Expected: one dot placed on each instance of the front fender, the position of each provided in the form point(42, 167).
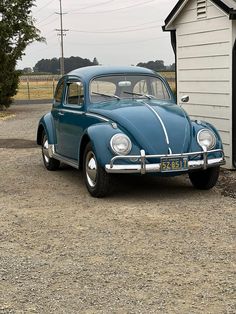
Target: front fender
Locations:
point(46, 124)
point(100, 136)
point(197, 126)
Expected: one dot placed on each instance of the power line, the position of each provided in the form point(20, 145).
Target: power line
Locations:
point(114, 10)
point(115, 31)
point(46, 5)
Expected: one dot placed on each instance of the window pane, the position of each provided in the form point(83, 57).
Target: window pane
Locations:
point(59, 92)
point(75, 94)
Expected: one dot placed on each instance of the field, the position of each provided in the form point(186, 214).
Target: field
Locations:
point(43, 87)
point(40, 88)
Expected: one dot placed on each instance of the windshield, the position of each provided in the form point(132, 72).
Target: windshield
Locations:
point(127, 87)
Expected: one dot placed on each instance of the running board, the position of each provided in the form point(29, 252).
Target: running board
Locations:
point(67, 161)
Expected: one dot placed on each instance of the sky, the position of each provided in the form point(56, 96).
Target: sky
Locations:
point(116, 32)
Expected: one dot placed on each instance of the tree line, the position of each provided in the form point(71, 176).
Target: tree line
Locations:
point(52, 66)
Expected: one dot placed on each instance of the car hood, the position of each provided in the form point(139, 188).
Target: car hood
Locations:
point(155, 127)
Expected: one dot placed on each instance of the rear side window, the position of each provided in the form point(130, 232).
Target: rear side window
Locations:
point(59, 91)
point(75, 93)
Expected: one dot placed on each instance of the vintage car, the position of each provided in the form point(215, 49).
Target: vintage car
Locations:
point(109, 120)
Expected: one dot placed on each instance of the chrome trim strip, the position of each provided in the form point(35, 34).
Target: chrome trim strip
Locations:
point(72, 111)
point(95, 115)
point(67, 161)
point(161, 121)
point(143, 167)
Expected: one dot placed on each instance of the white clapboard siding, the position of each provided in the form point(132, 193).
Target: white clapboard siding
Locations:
point(201, 99)
point(221, 124)
point(212, 62)
point(197, 26)
point(204, 50)
point(204, 66)
point(212, 87)
point(216, 113)
point(203, 74)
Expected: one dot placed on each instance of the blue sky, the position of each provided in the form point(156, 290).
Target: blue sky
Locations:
point(116, 32)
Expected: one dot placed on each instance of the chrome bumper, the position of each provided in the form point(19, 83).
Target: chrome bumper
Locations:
point(143, 167)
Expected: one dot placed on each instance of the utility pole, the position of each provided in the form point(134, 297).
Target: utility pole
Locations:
point(61, 34)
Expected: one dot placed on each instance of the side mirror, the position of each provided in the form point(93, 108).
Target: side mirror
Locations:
point(184, 98)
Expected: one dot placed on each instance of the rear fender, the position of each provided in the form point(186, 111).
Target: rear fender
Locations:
point(46, 124)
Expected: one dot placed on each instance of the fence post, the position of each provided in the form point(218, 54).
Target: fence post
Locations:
point(28, 88)
point(53, 87)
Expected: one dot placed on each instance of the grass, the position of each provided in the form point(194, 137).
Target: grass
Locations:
point(4, 115)
point(35, 90)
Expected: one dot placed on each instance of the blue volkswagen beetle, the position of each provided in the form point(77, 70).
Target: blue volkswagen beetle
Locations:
point(109, 120)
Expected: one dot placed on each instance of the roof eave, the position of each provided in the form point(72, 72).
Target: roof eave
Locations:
point(181, 3)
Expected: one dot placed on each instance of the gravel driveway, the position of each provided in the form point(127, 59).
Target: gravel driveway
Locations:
point(154, 246)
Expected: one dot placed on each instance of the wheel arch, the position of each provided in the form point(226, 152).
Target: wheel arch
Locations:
point(85, 140)
point(46, 125)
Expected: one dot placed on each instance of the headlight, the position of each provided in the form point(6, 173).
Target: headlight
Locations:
point(120, 144)
point(206, 138)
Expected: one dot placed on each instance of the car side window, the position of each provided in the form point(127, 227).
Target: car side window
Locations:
point(59, 92)
point(141, 87)
point(75, 93)
point(159, 89)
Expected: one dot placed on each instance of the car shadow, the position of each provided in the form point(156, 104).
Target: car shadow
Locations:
point(139, 187)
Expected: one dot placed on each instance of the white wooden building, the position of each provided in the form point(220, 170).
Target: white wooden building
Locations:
point(203, 36)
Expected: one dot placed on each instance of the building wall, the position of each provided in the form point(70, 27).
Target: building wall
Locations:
point(204, 63)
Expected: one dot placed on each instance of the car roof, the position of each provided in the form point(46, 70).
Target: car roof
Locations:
point(89, 72)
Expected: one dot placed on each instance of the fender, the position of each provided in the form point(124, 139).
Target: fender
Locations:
point(100, 136)
point(197, 126)
point(46, 124)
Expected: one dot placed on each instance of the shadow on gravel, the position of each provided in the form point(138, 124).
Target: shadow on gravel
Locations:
point(15, 143)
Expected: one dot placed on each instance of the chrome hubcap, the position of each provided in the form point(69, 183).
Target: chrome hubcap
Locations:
point(45, 150)
point(91, 169)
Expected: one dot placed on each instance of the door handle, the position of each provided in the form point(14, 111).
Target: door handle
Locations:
point(61, 113)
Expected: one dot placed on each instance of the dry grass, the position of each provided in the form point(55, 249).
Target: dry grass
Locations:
point(4, 115)
point(35, 90)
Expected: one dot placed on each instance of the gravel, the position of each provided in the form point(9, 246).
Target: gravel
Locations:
point(154, 246)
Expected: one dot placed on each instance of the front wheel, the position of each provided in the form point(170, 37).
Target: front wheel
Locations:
point(96, 179)
point(204, 179)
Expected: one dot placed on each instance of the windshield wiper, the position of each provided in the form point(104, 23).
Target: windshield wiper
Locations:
point(107, 95)
point(142, 95)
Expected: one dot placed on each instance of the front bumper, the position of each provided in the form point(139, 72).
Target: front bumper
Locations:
point(142, 166)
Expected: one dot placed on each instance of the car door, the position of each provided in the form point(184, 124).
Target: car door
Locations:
point(71, 118)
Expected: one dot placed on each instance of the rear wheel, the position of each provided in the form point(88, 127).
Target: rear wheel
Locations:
point(50, 163)
point(96, 179)
point(205, 179)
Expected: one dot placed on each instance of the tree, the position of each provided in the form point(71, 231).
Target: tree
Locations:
point(17, 31)
point(53, 65)
point(157, 65)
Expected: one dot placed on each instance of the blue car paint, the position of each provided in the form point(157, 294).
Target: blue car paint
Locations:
point(131, 116)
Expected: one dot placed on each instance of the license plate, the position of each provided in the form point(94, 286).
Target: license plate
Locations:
point(174, 164)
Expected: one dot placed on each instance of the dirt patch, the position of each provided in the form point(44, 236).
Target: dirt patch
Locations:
point(227, 183)
point(17, 143)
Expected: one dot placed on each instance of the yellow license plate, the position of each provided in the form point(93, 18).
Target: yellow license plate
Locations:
point(174, 164)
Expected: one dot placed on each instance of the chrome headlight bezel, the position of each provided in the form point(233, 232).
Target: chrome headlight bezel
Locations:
point(203, 141)
point(116, 140)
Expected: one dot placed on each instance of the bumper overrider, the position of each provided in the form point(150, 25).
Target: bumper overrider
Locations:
point(142, 165)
